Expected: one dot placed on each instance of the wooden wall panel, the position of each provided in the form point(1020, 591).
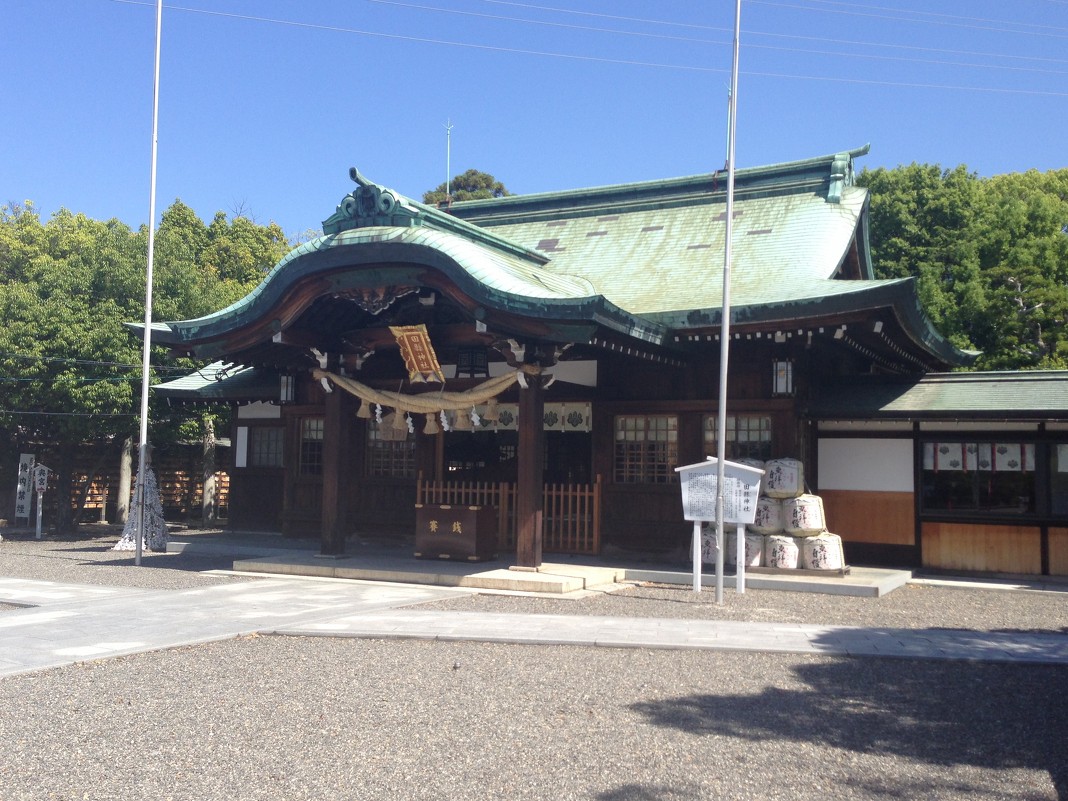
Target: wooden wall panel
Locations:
point(1058, 551)
point(256, 500)
point(644, 516)
point(884, 518)
point(988, 548)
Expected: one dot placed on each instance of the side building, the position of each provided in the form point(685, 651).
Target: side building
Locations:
point(578, 338)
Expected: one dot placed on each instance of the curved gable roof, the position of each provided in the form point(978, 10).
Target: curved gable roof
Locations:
point(641, 259)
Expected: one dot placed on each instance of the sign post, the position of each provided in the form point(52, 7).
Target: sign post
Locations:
point(40, 483)
point(700, 494)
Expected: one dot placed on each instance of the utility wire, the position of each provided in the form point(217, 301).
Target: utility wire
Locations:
point(692, 40)
point(939, 18)
point(604, 60)
point(849, 5)
point(91, 362)
point(16, 412)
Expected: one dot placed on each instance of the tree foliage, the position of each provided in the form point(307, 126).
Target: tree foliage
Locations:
point(990, 256)
point(471, 185)
point(69, 367)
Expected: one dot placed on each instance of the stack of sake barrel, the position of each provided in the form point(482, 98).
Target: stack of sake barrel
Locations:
point(790, 529)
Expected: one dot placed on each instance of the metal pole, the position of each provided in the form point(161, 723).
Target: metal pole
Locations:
point(146, 350)
point(725, 322)
point(448, 159)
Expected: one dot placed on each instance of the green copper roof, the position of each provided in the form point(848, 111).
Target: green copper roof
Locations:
point(1037, 394)
point(496, 278)
point(644, 259)
point(673, 255)
point(222, 381)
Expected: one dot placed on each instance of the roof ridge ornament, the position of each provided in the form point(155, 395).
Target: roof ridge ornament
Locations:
point(370, 204)
point(841, 176)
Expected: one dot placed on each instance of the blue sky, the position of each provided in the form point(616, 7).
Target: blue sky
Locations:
point(265, 104)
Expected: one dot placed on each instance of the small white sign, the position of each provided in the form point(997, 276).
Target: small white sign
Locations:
point(40, 478)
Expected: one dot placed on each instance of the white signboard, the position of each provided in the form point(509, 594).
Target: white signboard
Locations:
point(23, 491)
point(741, 488)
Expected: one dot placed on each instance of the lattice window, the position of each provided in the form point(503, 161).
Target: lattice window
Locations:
point(996, 477)
point(311, 447)
point(266, 446)
point(388, 455)
point(646, 449)
point(748, 436)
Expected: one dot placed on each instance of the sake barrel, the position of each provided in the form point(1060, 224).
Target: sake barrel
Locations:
point(769, 517)
point(823, 552)
point(754, 549)
point(708, 543)
point(803, 516)
point(783, 478)
point(708, 540)
point(781, 550)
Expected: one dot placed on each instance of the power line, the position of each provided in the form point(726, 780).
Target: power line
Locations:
point(90, 362)
point(692, 40)
point(424, 40)
point(773, 34)
point(605, 60)
point(16, 412)
point(699, 26)
point(939, 18)
point(81, 380)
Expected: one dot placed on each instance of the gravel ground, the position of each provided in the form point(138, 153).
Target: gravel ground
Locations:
point(89, 559)
point(914, 606)
point(314, 718)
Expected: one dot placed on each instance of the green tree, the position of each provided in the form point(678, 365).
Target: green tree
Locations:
point(1025, 255)
point(70, 374)
point(471, 185)
point(923, 223)
point(990, 256)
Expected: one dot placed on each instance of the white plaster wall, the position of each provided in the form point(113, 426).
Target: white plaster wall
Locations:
point(259, 411)
point(241, 447)
point(880, 465)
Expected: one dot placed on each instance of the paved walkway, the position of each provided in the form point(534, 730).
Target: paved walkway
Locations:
point(67, 623)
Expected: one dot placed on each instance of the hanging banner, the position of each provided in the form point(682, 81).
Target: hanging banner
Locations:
point(418, 353)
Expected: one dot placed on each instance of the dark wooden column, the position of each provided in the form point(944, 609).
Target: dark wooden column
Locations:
point(528, 492)
point(337, 433)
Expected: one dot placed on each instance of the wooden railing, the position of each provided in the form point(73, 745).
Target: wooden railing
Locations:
point(571, 518)
point(571, 513)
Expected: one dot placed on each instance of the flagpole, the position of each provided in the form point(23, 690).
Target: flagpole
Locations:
point(146, 349)
point(725, 318)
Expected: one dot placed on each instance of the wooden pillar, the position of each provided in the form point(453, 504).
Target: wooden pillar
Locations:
point(529, 484)
point(337, 433)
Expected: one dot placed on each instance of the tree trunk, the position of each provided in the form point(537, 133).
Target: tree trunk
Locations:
point(208, 503)
point(64, 518)
point(122, 502)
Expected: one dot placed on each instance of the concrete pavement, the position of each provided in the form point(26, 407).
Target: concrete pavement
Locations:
point(61, 624)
